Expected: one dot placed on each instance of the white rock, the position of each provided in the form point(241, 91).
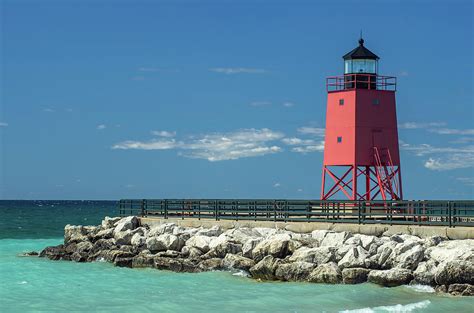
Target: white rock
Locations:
point(126, 223)
point(109, 222)
point(333, 239)
point(199, 242)
point(138, 240)
point(214, 231)
point(355, 257)
point(319, 255)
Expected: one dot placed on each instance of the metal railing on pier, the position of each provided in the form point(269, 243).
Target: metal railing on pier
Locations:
point(419, 212)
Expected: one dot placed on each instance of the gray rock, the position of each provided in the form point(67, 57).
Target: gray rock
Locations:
point(138, 240)
point(319, 235)
point(461, 290)
point(390, 278)
point(191, 252)
point(265, 269)
point(214, 231)
point(75, 233)
point(167, 228)
point(317, 256)
point(295, 271)
point(104, 234)
point(276, 246)
point(248, 247)
point(110, 222)
point(164, 242)
point(143, 260)
point(410, 258)
point(212, 264)
point(232, 261)
point(328, 273)
point(123, 237)
point(199, 242)
point(425, 273)
point(356, 275)
point(126, 223)
point(355, 257)
point(123, 261)
point(333, 239)
point(455, 272)
point(169, 254)
point(227, 248)
point(450, 250)
point(176, 265)
point(54, 252)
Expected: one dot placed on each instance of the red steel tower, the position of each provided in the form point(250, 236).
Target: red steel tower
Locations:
point(361, 156)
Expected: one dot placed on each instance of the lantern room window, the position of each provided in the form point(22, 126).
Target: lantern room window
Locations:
point(360, 66)
point(339, 139)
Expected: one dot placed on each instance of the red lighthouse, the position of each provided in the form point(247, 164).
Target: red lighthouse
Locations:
point(361, 155)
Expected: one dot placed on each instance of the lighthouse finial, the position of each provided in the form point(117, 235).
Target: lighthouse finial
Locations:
point(361, 40)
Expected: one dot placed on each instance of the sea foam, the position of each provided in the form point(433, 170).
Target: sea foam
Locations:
point(398, 308)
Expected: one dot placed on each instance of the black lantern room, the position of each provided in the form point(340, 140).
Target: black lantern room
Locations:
point(360, 67)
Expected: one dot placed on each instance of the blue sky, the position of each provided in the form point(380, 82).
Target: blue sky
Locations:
point(225, 99)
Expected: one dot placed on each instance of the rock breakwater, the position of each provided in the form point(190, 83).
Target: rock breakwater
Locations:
point(321, 256)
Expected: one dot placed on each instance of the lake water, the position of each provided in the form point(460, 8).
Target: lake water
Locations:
point(29, 284)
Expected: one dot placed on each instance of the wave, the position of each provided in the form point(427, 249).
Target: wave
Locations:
point(421, 288)
point(398, 308)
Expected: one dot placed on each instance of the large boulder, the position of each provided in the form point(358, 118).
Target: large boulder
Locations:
point(365, 241)
point(390, 278)
point(54, 252)
point(355, 257)
point(317, 256)
point(176, 264)
point(123, 237)
point(143, 260)
point(295, 271)
point(410, 258)
point(265, 269)
point(74, 233)
point(249, 245)
point(199, 242)
point(425, 273)
point(164, 242)
point(462, 250)
point(455, 272)
point(126, 223)
point(355, 275)
point(232, 261)
point(335, 239)
point(461, 290)
point(328, 273)
point(276, 246)
point(166, 228)
point(138, 240)
point(109, 222)
point(211, 264)
point(214, 231)
point(319, 235)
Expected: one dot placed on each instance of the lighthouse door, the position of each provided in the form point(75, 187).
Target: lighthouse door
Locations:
point(377, 139)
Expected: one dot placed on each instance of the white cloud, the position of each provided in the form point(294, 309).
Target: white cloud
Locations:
point(49, 110)
point(237, 70)
point(149, 69)
point(276, 185)
point(101, 127)
point(163, 133)
point(260, 103)
point(147, 145)
point(216, 146)
point(298, 141)
point(420, 125)
point(316, 131)
point(466, 180)
point(452, 131)
point(308, 149)
point(442, 158)
point(288, 104)
point(3, 124)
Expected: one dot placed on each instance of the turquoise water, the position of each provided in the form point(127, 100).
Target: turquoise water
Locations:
point(37, 285)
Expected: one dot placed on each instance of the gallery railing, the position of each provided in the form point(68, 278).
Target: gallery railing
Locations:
point(420, 212)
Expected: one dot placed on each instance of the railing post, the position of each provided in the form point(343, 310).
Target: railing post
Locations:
point(166, 209)
point(142, 207)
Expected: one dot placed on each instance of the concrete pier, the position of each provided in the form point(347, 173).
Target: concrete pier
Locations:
point(299, 227)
